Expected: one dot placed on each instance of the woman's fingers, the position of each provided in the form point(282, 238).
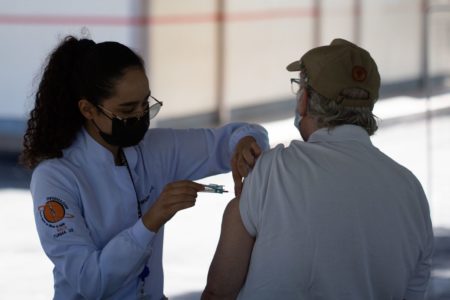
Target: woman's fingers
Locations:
point(175, 196)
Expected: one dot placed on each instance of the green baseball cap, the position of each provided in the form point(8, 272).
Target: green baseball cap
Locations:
point(338, 66)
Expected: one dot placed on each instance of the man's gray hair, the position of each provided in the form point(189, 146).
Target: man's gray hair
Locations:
point(330, 114)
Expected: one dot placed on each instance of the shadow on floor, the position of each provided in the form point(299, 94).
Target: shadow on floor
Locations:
point(439, 287)
point(12, 175)
point(187, 296)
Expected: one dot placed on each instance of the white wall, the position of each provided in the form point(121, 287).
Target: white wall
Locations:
point(24, 46)
point(261, 37)
point(183, 56)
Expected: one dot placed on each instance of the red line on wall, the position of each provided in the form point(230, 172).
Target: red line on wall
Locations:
point(6, 19)
point(67, 20)
point(271, 14)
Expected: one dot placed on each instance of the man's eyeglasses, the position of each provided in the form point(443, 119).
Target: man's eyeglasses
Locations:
point(153, 110)
point(295, 85)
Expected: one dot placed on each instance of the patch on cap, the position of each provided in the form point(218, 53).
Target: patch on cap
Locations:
point(359, 73)
point(341, 65)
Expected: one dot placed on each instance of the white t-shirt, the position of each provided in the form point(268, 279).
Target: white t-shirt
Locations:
point(335, 218)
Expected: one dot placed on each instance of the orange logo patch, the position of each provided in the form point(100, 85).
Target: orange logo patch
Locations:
point(54, 211)
point(359, 73)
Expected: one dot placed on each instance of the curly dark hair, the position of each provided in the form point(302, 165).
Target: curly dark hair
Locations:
point(76, 69)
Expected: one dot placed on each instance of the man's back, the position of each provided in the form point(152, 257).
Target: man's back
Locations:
point(335, 218)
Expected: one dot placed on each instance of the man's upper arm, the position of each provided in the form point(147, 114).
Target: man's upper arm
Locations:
point(230, 264)
point(229, 267)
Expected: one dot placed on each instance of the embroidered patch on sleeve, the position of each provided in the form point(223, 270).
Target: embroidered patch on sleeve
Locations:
point(53, 213)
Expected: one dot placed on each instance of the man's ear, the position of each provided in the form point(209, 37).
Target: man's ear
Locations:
point(303, 107)
point(87, 109)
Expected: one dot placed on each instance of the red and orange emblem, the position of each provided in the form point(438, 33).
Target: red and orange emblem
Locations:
point(359, 73)
point(53, 211)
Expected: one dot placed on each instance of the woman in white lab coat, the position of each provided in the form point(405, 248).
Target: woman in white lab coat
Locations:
point(104, 184)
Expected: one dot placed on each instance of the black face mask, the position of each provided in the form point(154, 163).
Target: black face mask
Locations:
point(126, 132)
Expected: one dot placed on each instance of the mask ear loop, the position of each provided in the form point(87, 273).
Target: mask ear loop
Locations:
point(99, 130)
point(101, 110)
point(96, 126)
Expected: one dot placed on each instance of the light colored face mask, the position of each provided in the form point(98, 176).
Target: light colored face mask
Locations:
point(297, 119)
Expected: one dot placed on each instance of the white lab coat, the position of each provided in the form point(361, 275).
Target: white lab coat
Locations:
point(86, 209)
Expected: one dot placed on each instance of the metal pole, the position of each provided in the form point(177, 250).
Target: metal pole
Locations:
point(140, 29)
point(145, 29)
point(223, 108)
point(426, 88)
point(141, 35)
point(317, 29)
point(357, 22)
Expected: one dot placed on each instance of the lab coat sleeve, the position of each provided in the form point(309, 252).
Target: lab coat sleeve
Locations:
point(93, 271)
point(197, 153)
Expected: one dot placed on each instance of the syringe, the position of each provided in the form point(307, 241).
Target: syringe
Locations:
point(214, 188)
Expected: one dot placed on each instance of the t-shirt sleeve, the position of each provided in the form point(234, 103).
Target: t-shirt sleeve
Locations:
point(252, 198)
point(418, 283)
point(247, 205)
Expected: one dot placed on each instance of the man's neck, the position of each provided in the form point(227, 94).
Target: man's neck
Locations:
point(307, 127)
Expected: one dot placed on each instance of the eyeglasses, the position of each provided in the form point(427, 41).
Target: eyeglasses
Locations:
point(153, 110)
point(295, 85)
